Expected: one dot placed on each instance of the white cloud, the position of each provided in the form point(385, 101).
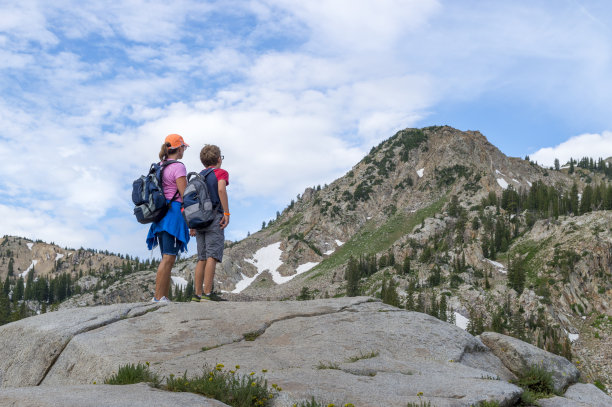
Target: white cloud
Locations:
point(295, 93)
point(585, 145)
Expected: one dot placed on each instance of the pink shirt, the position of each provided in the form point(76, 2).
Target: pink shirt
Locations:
point(171, 173)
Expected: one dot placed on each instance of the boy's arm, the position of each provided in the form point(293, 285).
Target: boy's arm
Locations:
point(224, 203)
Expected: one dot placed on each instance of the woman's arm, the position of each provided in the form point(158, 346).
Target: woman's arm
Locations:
point(181, 184)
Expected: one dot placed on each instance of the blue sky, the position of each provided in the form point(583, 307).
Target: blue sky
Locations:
point(294, 93)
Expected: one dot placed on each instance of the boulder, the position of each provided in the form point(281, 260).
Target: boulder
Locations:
point(355, 350)
point(561, 402)
point(518, 356)
point(589, 394)
point(135, 395)
point(31, 346)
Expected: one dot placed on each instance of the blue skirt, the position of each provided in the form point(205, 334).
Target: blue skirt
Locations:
point(173, 223)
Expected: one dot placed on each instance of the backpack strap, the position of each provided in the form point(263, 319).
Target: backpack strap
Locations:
point(163, 166)
point(205, 173)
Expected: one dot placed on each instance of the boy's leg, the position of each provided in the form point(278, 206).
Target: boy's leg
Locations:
point(209, 274)
point(199, 277)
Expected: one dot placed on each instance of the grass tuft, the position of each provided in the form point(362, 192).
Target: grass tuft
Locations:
point(251, 336)
point(328, 365)
point(132, 374)
point(362, 356)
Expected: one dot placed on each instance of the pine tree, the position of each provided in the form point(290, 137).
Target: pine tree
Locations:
point(586, 200)
point(352, 278)
point(435, 278)
point(410, 305)
point(6, 288)
point(442, 314)
point(29, 287)
point(10, 267)
point(434, 308)
point(574, 200)
point(420, 303)
point(406, 265)
point(391, 296)
point(557, 166)
point(19, 289)
point(452, 318)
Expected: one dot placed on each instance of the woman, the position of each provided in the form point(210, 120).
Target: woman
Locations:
point(171, 233)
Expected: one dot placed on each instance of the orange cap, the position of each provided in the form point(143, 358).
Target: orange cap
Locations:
point(175, 141)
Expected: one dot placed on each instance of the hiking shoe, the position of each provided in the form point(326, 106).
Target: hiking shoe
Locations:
point(164, 299)
point(196, 298)
point(213, 296)
point(154, 299)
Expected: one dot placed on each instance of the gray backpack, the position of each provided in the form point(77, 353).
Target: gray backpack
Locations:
point(197, 203)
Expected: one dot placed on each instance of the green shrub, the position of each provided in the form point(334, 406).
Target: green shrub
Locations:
point(600, 386)
point(131, 374)
point(537, 380)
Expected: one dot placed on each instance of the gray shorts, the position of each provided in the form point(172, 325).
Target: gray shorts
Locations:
point(211, 240)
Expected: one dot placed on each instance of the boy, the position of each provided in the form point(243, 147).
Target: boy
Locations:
point(212, 238)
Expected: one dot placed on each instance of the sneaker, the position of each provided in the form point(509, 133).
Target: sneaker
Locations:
point(213, 296)
point(196, 298)
point(164, 299)
point(154, 299)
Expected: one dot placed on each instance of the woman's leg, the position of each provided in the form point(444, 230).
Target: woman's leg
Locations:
point(162, 280)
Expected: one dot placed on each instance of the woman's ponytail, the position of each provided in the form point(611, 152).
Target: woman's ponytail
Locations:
point(163, 154)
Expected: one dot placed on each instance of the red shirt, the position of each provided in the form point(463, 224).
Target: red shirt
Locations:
point(222, 175)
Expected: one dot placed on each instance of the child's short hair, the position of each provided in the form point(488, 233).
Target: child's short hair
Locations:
point(210, 155)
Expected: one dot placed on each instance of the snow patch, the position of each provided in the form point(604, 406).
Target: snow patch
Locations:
point(244, 283)
point(502, 183)
point(30, 245)
point(517, 181)
point(266, 258)
point(498, 172)
point(528, 183)
point(179, 282)
point(421, 172)
point(500, 267)
point(305, 267)
point(25, 273)
point(327, 253)
point(58, 256)
point(461, 321)
point(339, 243)
point(269, 258)
point(573, 337)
